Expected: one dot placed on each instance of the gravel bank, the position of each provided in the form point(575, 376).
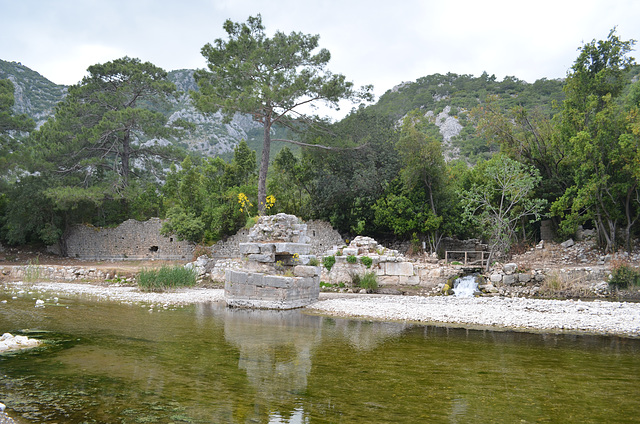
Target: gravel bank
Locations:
point(124, 294)
point(596, 317)
point(593, 317)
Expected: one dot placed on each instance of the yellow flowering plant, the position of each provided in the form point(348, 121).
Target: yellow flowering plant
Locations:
point(245, 204)
point(271, 200)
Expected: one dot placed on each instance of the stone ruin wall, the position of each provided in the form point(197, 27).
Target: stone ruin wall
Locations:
point(129, 241)
point(323, 237)
point(134, 240)
point(275, 270)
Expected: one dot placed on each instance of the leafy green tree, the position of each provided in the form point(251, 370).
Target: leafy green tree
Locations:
point(592, 127)
point(243, 166)
point(29, 216)
point(292, 180)
point(14, 223)
point(105, 132)
point(424, 169)
point(405, 212)
point(272, 79)
point(629, 159)
point(348, 181)
point(201, 197)
point(530, 137)
point(500, 201)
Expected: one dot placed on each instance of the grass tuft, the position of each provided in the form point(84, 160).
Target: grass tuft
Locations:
point(157, 280)
point(368, 281)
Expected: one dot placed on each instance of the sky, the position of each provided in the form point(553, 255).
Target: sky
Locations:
point(383, 43)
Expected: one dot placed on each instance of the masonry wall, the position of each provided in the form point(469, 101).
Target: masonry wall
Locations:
point(142, 240)
point(323, 237)
point(130, 240)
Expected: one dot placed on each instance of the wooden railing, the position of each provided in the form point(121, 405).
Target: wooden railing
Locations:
point(471, 257)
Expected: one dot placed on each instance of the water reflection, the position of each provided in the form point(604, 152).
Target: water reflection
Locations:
point(207, 363)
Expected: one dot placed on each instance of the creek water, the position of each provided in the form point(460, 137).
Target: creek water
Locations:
point(106, 362)
point(465, 286)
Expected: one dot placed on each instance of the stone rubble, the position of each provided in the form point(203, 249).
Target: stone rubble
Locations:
point(9, 342)
point(277, 270)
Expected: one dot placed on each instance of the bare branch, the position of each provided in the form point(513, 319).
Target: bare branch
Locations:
point(320, 146)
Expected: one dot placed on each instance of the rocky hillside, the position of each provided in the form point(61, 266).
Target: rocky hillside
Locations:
point(447, 100)
point(37, 97)
point(34, 95)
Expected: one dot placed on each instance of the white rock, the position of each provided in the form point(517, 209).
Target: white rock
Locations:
point(567, 244)
point(509, 268)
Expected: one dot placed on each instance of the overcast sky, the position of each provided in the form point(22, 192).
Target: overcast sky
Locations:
point(371, 42)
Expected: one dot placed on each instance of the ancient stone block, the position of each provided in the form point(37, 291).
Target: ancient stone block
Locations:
point(348, 251)
point(509, 280)
point(277, 281)
point(292, 248)
point(249, 248)
point(496, 278)
point(235, 276)
point(306, 271)
point(524, 278)
point(399, 268)
point(263, 258)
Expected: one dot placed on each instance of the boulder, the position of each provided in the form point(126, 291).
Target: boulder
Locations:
point(509, 280)
point(567, 244)
point(509, 268)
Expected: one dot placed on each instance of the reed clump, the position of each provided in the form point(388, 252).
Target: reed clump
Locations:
point(166, 277)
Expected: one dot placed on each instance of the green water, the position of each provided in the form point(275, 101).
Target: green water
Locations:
point(112, 363)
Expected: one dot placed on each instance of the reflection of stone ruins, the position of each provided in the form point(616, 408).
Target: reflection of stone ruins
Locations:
point(276, 273)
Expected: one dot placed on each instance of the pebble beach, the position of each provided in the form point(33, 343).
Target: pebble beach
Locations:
point(521, 314)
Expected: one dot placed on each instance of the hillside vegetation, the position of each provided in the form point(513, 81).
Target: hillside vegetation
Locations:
point(446, 155)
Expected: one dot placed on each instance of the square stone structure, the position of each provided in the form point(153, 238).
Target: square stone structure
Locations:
point(276, 274)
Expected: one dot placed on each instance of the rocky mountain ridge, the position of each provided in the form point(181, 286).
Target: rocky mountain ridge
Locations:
point(37, 97)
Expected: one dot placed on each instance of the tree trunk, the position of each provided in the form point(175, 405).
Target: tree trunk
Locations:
point(630, 220)
point(264, 167)
point(126, 154)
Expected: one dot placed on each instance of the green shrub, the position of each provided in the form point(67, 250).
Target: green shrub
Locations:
point(366, 261)
point(251, 221)
point(368, 281)
point(352, 259)
point(624, 275)
point(314, 262)
point(328, 262)
point(166, 277)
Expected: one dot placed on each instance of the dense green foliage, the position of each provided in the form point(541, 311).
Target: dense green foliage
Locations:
point(594, 129)
point(271, 79)
point(201, 199)
point(567, 150)
point(500, 200)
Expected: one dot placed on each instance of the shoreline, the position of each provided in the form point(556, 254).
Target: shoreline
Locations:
point(597, 317)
